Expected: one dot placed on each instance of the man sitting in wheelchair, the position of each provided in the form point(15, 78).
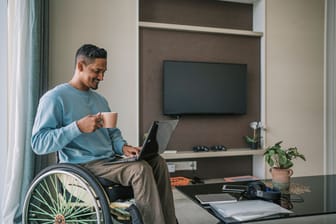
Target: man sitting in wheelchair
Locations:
point(68, 121)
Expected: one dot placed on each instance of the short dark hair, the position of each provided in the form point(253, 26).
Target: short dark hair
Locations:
point(89, 52)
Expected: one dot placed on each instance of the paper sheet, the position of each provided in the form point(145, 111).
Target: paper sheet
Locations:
point(248, 209)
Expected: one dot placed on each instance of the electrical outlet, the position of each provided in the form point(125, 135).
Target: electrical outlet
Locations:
point(171, 167)
point(185, 165)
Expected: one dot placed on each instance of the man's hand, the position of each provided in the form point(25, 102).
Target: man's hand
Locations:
point(130, 151)
point(90, 123)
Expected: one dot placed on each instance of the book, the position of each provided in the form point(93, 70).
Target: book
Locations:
point(215, 198)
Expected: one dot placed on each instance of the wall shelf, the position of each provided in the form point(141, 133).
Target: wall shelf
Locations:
point(204, 29)
point(230, 152)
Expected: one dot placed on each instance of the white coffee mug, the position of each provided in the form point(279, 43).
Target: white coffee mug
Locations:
point(109, 119)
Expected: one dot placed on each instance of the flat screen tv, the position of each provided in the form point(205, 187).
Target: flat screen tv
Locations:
point(204, 88)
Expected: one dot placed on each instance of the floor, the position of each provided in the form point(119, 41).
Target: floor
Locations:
point(188, 212)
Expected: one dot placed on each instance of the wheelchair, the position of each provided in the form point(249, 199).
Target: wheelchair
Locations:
point(70, 194)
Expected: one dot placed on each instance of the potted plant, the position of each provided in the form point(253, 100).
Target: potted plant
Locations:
point(280, 161)
point(254, 140)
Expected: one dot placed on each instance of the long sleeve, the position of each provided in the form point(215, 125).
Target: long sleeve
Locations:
point(48, 134)
point(55, 127)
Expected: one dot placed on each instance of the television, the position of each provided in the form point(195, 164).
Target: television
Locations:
point(204, 88)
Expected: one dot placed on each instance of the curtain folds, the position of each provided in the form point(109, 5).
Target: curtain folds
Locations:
point(27, 80)
point(39, 55)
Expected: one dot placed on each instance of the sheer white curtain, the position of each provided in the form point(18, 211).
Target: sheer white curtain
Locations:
point(17, 79)
point(25, 80)
point(3, 91)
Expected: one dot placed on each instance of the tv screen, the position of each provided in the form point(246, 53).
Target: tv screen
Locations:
point(203, 88)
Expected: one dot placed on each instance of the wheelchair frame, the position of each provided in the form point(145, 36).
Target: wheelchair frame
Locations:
point(67, 193)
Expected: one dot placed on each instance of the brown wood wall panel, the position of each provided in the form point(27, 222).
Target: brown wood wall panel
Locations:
point(198, 12)
point(159, 45)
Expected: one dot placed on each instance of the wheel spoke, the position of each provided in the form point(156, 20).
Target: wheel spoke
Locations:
point(65, 195)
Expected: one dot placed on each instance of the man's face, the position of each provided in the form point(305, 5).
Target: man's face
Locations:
point(93, 73)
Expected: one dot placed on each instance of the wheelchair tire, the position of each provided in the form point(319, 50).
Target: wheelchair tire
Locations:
point(66, 193)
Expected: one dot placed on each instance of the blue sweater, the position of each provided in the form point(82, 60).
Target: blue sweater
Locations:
point(55, 127)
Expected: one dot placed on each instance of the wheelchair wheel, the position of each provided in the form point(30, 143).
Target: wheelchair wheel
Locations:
point(66, 193)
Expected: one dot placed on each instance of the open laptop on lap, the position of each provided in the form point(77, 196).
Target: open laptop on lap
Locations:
point(155, 143)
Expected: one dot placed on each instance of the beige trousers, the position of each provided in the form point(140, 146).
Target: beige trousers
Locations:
point(151, 186)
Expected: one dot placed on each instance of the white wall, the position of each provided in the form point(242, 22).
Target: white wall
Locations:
point(295, 79)
point(330, 156)
point(112, 25)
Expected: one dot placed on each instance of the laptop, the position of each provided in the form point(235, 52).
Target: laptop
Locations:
point(155, 143)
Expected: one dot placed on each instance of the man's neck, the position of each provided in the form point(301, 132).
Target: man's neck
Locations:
point(74, 83)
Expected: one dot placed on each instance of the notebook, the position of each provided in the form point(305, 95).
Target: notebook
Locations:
point(215, 198)
point(155, 143)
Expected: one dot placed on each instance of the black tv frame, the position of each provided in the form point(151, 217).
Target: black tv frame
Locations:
point(204, 88)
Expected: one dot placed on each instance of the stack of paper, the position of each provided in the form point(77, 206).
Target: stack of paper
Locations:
point(248, 209)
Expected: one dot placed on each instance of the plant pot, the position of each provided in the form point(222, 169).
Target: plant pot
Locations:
point(281, 178)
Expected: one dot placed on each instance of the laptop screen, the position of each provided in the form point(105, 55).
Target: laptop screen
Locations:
point(164, 133)
point(158, 138)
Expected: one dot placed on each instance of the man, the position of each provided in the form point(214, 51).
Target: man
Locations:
point(68, 121)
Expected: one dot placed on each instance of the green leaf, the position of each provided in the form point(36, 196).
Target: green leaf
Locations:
point(276, 156)
point(248, 139)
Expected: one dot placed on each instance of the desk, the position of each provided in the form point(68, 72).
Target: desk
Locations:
point(315, 196)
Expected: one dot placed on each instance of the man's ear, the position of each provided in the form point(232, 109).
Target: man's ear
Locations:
point(80, 66)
